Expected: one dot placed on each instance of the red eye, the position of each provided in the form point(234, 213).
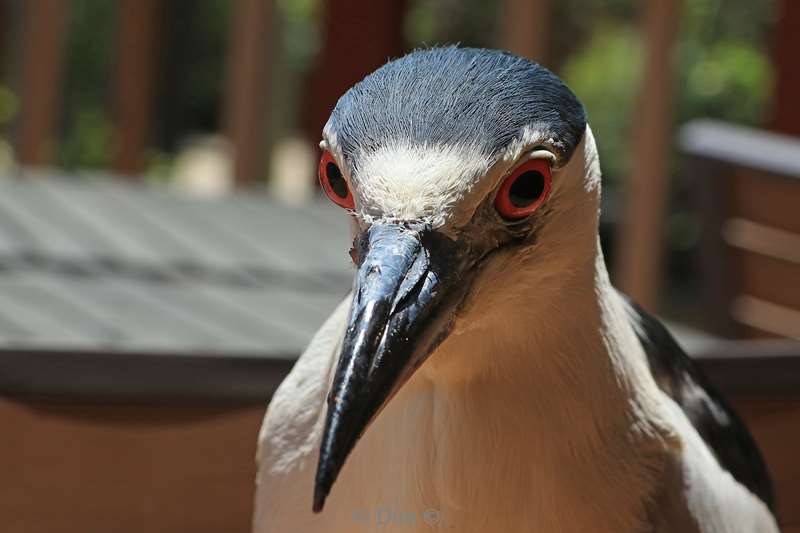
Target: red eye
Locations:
point(333, 182)
point(524, 190)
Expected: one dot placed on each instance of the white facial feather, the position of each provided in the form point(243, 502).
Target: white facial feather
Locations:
point(406, 182)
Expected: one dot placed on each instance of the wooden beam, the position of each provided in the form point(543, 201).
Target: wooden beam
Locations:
point(42, 47)
point(358, 36)
point(524, 28)
point(785, 109)
point(138, 43)
point(639, 263)
point(247, 87)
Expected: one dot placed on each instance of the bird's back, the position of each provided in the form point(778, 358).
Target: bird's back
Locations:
point(713, 418)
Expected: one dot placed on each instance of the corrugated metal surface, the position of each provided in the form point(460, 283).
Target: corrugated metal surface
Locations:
point(100, 265)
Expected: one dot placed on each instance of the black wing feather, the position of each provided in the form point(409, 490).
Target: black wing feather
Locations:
point(713, 418)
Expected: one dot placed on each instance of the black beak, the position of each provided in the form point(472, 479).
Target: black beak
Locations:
point(405, 274)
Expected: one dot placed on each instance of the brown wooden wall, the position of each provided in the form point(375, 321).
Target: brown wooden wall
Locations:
point(93, 468)
point(88, 467)
point(763, 236)
point(746, 207)
point(774, 420)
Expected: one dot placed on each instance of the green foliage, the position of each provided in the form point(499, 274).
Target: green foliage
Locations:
point(85, 138)
point(159, 165)
point(9, 105)
point(721, 67)
point(605, 77)
point(88, 143)
point(468, 22)
point(300, 35)
point(729, 80)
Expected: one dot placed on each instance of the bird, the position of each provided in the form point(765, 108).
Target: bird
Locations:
point(483, 374)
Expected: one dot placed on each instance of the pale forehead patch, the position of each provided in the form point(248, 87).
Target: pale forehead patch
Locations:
point(416, 182)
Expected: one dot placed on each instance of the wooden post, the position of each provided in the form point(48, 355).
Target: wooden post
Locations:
point(639, 263)
point(42, 36)
point(138, 43)
point(247, 84)
point(358, 36)
point(524, 28)
point(785, 109)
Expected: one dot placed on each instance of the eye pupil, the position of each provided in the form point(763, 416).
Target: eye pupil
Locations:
point(336, 180)
point(526, 189)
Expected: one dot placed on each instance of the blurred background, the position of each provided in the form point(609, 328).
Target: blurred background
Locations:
point(165, 252)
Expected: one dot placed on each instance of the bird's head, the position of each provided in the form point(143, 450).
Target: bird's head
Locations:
point(453, 162)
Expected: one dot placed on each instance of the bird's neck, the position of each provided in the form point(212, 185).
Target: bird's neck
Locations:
point(560, 342)
point(543, 402)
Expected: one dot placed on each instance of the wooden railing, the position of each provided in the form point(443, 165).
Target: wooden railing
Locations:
point(747, 185)
point(138, 47)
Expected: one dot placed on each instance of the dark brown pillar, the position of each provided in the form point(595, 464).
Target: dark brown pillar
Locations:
point(785, 116)
point(138, 53)
point(358, 37)
point(42, 46)
point(524, 26)
point(639, 263)
point(246, 91)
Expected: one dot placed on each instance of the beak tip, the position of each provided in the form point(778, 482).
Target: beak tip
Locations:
point(320, 494)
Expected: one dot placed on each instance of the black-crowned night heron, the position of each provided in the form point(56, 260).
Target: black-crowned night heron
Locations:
point(485, 376)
